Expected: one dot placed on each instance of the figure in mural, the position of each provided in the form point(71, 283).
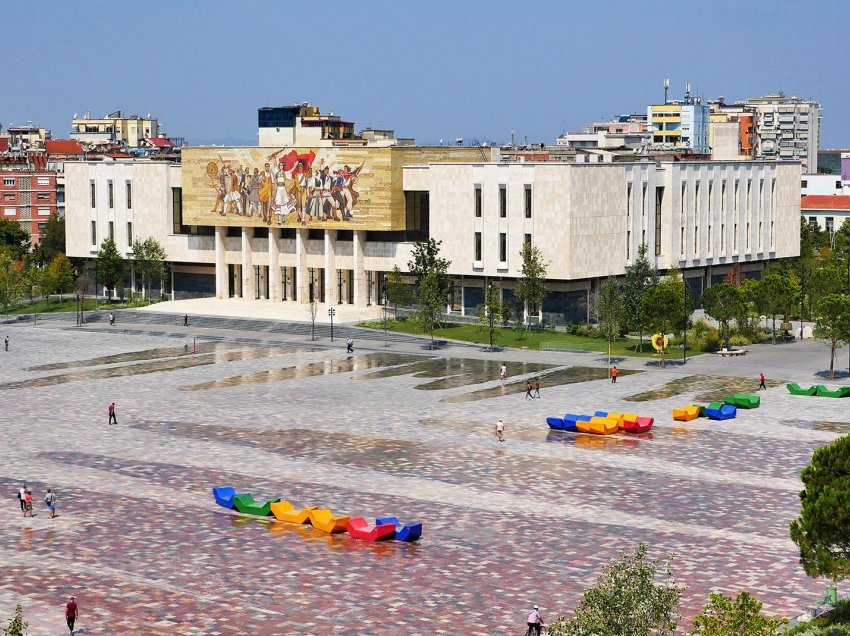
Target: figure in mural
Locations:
point(217, 184)
point(329, 205)
point(244, 178)
point(267, 194)
point(231, 191)
point(254, 192)
point(349, 194)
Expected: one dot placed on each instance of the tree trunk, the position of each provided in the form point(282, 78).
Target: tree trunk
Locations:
point(774, 329)
point(832, 362)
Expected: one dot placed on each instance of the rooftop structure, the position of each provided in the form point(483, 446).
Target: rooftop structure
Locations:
point(114, 129)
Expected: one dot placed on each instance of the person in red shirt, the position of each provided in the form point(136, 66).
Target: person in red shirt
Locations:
point(71, 613)
point(761, 382)
point(28, 504)
point(614, 373)
point(112, 417)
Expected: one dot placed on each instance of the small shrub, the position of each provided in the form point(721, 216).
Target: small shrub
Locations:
point(17, 626)
point(739, 340)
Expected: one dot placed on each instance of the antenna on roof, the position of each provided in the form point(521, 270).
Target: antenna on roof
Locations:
point(666, 86)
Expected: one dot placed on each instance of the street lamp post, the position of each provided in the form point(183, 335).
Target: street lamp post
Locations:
point(685, 328)
point(331, 313)
point(802, 295)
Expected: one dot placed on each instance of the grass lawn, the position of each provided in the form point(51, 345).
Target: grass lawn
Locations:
point(532, 339)
point(54, 306)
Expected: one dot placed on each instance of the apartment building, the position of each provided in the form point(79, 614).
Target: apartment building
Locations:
point(29, 197)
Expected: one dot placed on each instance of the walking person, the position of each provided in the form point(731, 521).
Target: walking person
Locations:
point(28, 503)
point(500, 431)
point(349, 345)
point(50, 501)
point(22, 497)
point(111, 319)
point(71, 613)
point(503, 372)
point(528, 395)
point(7, 343)
point(537, 387)
point(761, 383)
point(185, 320)
point(614, 374)
point(112, 417)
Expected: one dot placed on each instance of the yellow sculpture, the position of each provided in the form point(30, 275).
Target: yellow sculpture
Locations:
point(284, 511)
point(323, 519)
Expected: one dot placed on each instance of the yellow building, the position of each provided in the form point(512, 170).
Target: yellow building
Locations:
point(114, 129)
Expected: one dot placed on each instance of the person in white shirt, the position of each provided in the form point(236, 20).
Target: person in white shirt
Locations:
point(535, 623)
point(500, 430)
point(22, 493)
point(503, 372)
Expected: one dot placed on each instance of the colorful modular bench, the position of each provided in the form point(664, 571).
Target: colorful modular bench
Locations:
point(819, 390)
point(601, 423)
point(320, 518)
point(725, 410)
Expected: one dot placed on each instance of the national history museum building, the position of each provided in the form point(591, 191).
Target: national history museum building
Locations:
point(319, 212)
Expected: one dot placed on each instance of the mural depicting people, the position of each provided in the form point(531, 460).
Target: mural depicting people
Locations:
point(254, 192)
point(266, 194)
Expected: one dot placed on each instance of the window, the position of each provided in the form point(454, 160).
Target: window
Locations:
point(805, 183)
point(528, 200)
point(42, 228)
point(723, 196)
point(92, 194)
point(477, 201)
point(129, 187)
point(682, 202)
point(43, 181)
point(628, 244)
point(682, 242)
point(315, 235)
point(177, 226)
point(503, 201)
point(659, 199)
point(838, 185)
point(503, 247)
point(735, 236)
point(748, 236)
point(9, 212)
point(722, 237)
point(478, 247)
point(696, 240)
point(527, 239)
point(830, 225)
point(9, 182)
point(643, 202)
point(94, 233)
point(44, 212)
point(735, 201)
point(43, 196)
point(129, 234)
point(749, 191)
point(110, 194)
point(111, 231)
point(710, 193)
point(8, 197)
point(628, 201)
point(708, 248)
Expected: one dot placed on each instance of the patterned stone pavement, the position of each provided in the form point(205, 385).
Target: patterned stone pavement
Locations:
point(141, 544)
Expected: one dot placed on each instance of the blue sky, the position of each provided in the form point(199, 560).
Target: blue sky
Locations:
point(431, 70)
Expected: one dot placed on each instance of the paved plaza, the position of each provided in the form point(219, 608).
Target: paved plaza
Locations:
point(386, 431)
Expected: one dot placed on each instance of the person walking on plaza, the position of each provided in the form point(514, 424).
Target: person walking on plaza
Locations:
point(185, 320)
point(535, 622)
point(500, 430)
point(111, 319)
point(7, 343)
point(761, 383)
point(349, 345)
point(614, 373)
point(537, 387)
point(22, 497)
point(50, 500)
point(112, 417)
point(503, 372)
point(528, 395)
point(71, 613)
point(28, 503)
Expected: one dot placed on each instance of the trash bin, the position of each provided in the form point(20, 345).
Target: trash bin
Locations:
point(831, 595)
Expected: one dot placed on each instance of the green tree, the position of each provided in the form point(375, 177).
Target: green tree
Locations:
point(12, 281)
point(431, 301)
point(626, 600)
point(52, 242)
point(666, 304)
point(639, 277)
point(723, 303)
point(15, 237)
point(824, 281)
point(17, 626)
point(62, 274)
point(149, 258)
point(398, 291)
point(531, 287)
point(833, 325)
point(822, 531)
point(608, 307)
point(490, 313)
point(775, 295)
point(727, 616)
point(110, 265)
point(426, 261)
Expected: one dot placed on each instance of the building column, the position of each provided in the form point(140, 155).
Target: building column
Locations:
point(330, 267)
point(274, 265)
point(359, 274)
point(249, 291)
point(222, 288)
point(301, 282)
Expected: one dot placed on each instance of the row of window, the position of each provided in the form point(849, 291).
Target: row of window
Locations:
point(503, 246)
point(503, 201)
point(110, 194)
point(42, 181)
point(9, 197)
point(14, 211)
point(111, 233)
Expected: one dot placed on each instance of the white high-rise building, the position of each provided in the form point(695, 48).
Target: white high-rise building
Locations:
point(787, 128)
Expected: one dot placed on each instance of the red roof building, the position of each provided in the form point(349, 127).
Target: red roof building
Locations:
point(28, 197)
point(63, 147)
point(825, 202)
point(159, 142)
point(827, 211)
point(4, 144)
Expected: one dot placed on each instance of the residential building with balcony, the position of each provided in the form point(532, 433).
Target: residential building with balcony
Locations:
point(115, 129)
point(680, 125)
point(28, 196)
point(787, 128)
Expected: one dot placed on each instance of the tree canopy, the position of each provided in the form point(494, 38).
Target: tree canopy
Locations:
point(727, 616)
point(490, 312)
point(609, 310)
point(110, 265)
point(822, 531)
point(149, 258)
point(833, 325)
point(639, 277)
point(427, 260)
point(531, 287)
point(723, 303)
point(15, 238)
point(775, 296)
